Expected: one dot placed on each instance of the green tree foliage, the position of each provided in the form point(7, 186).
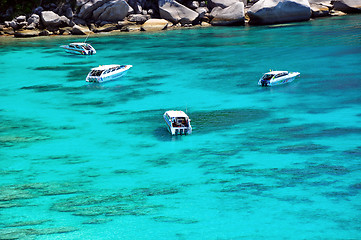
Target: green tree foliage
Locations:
point(23, 7)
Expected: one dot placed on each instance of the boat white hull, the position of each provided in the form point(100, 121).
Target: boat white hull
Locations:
point(108, 77)
point(177, 130)
point(78, 51)
point(279, 81)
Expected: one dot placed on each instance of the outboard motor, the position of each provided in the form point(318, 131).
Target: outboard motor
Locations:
point(264, 83)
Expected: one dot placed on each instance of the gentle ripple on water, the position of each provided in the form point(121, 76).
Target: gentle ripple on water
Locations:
point(80, 160)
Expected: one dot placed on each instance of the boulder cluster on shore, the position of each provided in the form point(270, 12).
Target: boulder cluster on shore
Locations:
point(82, 17)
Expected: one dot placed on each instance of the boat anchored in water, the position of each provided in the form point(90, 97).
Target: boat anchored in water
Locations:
point(273, 78)
point(177, 122)
point(105, 73)
point(79, 48)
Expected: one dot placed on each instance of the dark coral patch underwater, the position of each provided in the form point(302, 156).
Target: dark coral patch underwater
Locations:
point(52, 87)
point(32, 233)
point(307, 148)
point(206, 121)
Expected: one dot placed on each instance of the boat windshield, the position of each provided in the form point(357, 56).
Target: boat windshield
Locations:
point(87, 47)
point(267, 76)
point(281, 74)
point(96, 73)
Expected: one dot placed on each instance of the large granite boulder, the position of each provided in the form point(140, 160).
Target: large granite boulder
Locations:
point(112, 11)
point(20, 19)
point(52, 20)
point(175, 12)
point(80, 3)
point(229, 16)
point(155, 25)
point(33, 21)
point(80, 30)
point(136, 5)
point(69, 13)
point(347, 6)
point(319, 10)
point(34, 18)
point(12, 24)
point(138, 18)
point(279, 11)
point(224, 3)
point(87, 8)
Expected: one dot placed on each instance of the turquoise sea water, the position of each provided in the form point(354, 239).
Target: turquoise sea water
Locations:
point(95, 161)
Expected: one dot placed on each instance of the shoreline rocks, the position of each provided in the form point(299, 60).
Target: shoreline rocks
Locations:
point(228, 16)
point(83, 17)
point(281, 11)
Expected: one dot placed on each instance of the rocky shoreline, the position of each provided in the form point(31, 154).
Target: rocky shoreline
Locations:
point(83, 17)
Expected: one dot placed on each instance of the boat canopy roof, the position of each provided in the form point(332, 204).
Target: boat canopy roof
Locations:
point(80, 44)
point(105, 67)
point(172, 113)
point(276, 72)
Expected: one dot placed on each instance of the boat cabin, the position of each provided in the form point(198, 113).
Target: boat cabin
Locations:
point(273, 78)
point(96, 72)
point(107, 72)
point(275, 74)
point(79, 48)
point(178, 122)
point(177, 118)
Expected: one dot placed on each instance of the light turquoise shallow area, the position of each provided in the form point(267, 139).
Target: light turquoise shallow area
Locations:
point(88, 161)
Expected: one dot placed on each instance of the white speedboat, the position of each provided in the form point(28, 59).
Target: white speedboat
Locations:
point(177, 122)
point(105, 73)
point(79, 48)
point(273, 78)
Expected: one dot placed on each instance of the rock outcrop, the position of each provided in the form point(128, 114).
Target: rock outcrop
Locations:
point(112, 11)
point(155, 25)
point(138, 18)
point(93, 16)
point(87, 7)
point(106, 28)
point(320, 9)
point(176, 13)
point(80, 30)
point(26, 33)
point(229, 16)
point(347, 6)
point(33, 21)
point(52, 20)
point(224, 3)
point(279, 11)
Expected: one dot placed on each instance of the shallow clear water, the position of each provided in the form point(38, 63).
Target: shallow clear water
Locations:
point(88, 161)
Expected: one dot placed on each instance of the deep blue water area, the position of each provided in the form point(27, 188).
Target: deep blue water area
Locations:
point(95, 161)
